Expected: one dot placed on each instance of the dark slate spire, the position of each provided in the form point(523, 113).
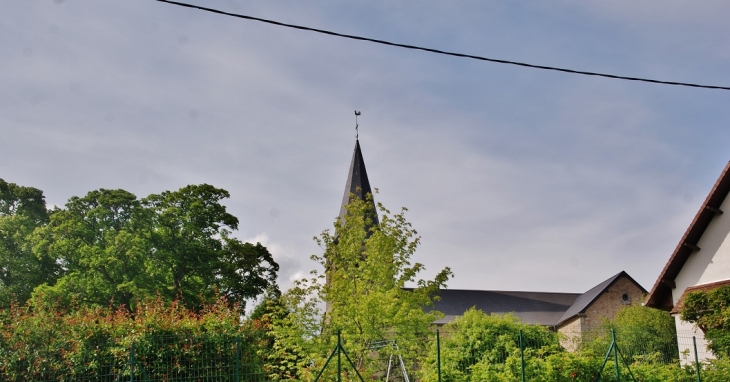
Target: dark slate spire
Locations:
point(357, 181)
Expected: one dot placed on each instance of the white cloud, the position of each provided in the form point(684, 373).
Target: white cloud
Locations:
point(294, 265)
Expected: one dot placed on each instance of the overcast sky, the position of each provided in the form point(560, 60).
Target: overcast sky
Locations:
point(516, 178)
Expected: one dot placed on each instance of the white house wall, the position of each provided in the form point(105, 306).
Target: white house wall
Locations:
point(710, 264)
point(685, 333)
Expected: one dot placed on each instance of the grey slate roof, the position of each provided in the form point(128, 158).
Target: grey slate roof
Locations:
point(357, 181)
point(542, 308)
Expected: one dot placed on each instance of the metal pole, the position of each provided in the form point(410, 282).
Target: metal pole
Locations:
point(390, 364)
point(347, 357)
point(403, 369)
point(131, 364)
point(339, 357)
point(438, 353)
point(615, 355)
point(697, 360)
point(522, 357)
point(238, 358)
point(335, 350)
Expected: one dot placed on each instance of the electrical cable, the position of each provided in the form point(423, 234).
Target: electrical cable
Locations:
point(454, 54)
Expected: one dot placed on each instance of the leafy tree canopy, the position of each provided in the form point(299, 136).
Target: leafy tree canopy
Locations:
point(109, 247)
point(22, 209)
point(20, 200)
point(99, 243)
point(190, 238)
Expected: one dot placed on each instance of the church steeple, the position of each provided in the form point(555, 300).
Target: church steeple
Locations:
point(357, 186)
point(357, 181)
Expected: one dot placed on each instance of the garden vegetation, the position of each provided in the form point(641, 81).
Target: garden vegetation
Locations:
point(111, 281)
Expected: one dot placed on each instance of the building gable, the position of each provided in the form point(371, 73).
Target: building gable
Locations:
point(706, 236)
point(605, 299)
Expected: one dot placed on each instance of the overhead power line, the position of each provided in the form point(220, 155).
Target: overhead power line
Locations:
point(454, 54)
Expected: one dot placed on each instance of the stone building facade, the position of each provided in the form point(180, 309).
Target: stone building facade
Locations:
point(600, 304)
point(572, 314)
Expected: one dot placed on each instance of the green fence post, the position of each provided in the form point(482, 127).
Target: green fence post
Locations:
point(697, 359)
point(339, 356)
point(238, 358)
point(522, 357)
point(438, 353)
point(132, 363)
point(615, 355)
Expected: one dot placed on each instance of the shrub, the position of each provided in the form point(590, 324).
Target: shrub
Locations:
point(169, 340)
point(478, 346)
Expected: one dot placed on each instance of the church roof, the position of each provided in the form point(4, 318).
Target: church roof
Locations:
point(357, 181)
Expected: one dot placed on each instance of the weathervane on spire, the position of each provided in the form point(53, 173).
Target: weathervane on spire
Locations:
point(357, 134)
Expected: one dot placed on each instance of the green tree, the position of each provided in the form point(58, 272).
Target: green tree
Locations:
point(645, 332)
point(367, 266)
point(113, 247)
point(99, 242)
point(194, 252)
point(710, 311)
point(22, 210)
point(25, 201)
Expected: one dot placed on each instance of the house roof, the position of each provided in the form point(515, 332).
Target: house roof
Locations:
point(698, 288)
point(661, 293)
point(357, 181)
point(582, 303)
point(542, 308)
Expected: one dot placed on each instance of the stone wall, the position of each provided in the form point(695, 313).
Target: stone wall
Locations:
point(571, 333)
point(623, 292)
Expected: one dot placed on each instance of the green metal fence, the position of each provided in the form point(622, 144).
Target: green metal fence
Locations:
point(626, 354)
point(149, 358)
